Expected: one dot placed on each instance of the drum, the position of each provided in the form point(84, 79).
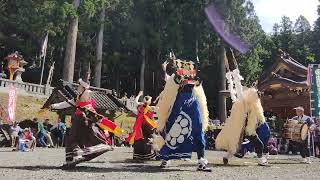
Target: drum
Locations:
point(295, 131)
point(304, 132)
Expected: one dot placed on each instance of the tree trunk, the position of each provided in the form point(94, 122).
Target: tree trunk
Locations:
point(98, 64)
point(143, 65)
point(222, 98)
point(70, 52)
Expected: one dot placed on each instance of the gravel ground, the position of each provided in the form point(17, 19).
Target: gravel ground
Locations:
point(117, 164)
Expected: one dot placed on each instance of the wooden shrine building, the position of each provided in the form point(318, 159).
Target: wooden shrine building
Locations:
point(285, 86)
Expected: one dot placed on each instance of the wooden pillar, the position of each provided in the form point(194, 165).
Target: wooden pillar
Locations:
point(222, 98)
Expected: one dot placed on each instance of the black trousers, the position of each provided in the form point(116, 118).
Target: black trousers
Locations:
point(317, 144)
point(304, 149)
point(200, 150)
point(258, 144)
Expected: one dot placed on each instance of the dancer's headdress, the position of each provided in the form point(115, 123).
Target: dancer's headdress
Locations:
point(184, 68)
point(84, 84)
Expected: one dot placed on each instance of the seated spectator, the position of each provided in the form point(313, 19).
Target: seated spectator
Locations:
point(59, 130)
point(32, 140)
point(272, 146)
point(26, 141)
point(15, 129)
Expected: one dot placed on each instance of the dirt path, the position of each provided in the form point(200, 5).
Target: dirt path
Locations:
point(116, 165)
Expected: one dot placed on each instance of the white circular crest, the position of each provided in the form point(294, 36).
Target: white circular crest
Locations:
point(180, 131)
point(184, 122)
point(175, 130)
point(180, 139)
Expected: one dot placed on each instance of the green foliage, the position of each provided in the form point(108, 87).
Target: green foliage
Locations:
point(315, 38)
point(250, 66)
point(297, 40)
point(68, 10)
point(302, 25)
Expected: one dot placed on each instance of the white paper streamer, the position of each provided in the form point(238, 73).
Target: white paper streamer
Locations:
point(237, 82)
point(231, 86)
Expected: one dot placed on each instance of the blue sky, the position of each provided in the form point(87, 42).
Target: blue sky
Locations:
point(271, 11)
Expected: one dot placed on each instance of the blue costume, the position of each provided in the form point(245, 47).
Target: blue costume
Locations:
point(183, 115)
point(263, 135)
point(183, 132)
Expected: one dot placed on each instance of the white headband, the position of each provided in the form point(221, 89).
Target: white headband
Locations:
point(299, 108)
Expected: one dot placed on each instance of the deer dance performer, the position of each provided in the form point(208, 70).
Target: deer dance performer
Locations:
point(246, 117)
point(182, 116)
point(87, 138)
point(142, 130)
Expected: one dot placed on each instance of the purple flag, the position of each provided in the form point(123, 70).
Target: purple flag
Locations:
point(222, 29)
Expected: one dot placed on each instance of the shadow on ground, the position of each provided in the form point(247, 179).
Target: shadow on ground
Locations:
point(132, 161)
point(285, 163)
point(31, 168)
point(90, 169)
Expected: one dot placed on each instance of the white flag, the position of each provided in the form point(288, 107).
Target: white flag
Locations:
point(44, 47)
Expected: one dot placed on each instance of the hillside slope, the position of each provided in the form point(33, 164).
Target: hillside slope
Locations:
point(27, 106)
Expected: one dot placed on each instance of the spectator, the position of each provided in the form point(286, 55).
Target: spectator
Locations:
point(114, 93)
point(125, 96)
point(317, 136)
point(47, 126)
point(59, 130)
point(40, 133)
point(124, 99)
point(26, 141)
point(131, 104)
point(21, 142)
point(15, 129)
point(47, 133)
point(32, 140)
